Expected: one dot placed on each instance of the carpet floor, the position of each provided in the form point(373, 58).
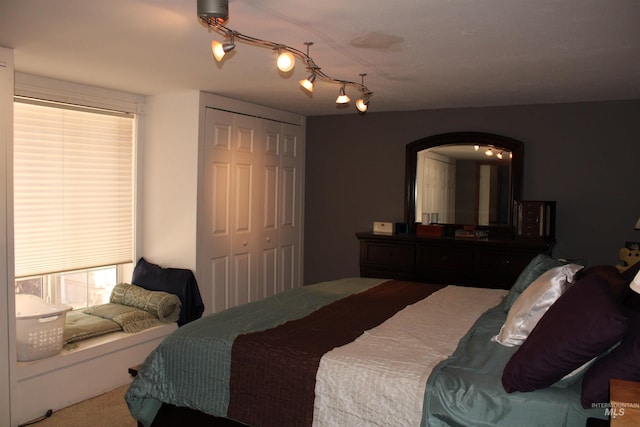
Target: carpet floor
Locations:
point(107, 410)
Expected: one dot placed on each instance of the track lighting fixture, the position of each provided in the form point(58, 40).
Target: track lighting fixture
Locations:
point(489, 152)
point(214, 13)
point(499, 155)
point(362, 104)
point(286, 61)
point(342, 97)
point(308, 82)
point(220, 49)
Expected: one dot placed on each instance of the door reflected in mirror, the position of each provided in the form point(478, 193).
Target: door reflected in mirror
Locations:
point(463, 184)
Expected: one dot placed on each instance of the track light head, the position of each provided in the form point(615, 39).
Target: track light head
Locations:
point(308, 82)
point(286, 61)
point(342, 98)
point(220, 49)
point(362, 104)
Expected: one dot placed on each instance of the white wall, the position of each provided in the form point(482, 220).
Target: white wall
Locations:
point(6, 232)
point(170, 180)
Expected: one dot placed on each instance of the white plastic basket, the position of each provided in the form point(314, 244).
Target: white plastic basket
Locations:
point(39, 327)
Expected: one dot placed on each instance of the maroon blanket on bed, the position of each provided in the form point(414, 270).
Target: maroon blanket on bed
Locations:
point(273, 372)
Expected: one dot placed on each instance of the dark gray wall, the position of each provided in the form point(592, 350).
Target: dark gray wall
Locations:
point(585, 156)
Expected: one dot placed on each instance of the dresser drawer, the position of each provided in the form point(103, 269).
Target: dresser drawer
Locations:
point(490, 263)
point(501, 263)
point(389, 255)
point(532, 211)
point(531, 229)
point(430, 258)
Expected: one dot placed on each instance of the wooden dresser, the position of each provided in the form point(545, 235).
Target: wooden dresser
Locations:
point(489, 263)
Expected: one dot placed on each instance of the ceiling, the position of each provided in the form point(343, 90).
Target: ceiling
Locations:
point(417, 54)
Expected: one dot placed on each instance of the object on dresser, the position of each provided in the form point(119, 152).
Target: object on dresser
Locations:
point(401, 228)
point(431, 230)
point(382, 227)
point(471, 234)
point(534, 219)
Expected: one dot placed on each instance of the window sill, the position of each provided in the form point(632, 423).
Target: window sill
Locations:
point(91, 349)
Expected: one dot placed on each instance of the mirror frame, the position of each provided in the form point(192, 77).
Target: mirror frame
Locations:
point(457, 138)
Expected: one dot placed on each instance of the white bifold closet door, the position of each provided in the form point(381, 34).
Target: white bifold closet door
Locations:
point(252, 207)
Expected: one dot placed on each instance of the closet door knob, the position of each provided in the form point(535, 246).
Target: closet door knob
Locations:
point(245, 243)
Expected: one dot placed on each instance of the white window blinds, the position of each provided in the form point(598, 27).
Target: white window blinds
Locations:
point(73, 188)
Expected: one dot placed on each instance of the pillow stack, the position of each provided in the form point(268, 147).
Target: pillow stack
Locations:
point(570, 321)
point(533, 302)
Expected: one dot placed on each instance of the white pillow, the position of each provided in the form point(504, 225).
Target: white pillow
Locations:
point(534, 301)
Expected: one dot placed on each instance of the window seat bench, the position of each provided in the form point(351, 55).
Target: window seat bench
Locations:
point(92, 367)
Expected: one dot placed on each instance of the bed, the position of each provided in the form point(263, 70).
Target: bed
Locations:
point(362, 351)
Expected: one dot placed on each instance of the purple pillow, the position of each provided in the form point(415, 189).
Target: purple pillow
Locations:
point(582, 324)
point(622, 363)
point(619, 285)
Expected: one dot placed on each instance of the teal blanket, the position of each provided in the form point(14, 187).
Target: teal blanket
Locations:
point(191, 367)
point(466, 389)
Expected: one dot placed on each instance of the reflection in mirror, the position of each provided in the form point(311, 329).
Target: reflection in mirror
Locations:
point(463, 184)
point(463, 178)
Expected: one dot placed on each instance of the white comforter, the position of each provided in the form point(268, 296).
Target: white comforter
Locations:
point(380, 379)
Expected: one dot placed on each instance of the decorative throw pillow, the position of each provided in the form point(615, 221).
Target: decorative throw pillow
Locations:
point(533, 302)
point(163, 305)
point(582, 324)
point(623, 363)
point(619, 285)
point(177, 281)
point(538, 265)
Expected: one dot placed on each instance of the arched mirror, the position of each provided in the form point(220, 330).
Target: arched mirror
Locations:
point(463, 178)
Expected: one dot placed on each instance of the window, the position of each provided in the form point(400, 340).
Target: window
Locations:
point(73, 201)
